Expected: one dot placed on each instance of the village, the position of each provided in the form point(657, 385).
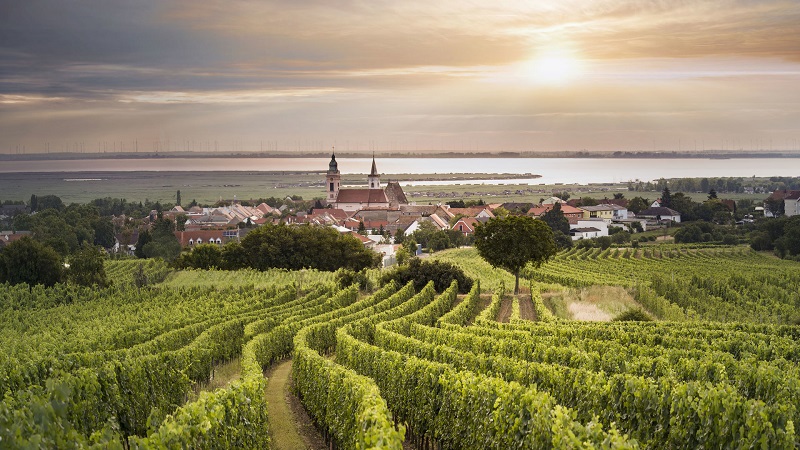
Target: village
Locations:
point(378, 213)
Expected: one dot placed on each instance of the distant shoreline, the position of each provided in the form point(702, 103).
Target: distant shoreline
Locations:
point(344, 154)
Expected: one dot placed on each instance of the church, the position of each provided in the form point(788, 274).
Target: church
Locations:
point(373, 197)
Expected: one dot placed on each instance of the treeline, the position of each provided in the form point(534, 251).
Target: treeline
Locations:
point(285, 247)
point(721, 185)
point(31, 262)
point(66, 228)
point(781, 235)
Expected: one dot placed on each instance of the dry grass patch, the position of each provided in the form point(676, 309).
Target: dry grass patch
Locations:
point(594, 303)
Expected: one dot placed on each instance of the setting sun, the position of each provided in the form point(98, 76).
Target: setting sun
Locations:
point(554, 65)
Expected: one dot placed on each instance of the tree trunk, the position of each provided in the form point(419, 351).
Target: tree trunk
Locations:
point(516, 283)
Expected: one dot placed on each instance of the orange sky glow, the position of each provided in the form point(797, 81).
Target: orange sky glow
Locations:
point(400, 76)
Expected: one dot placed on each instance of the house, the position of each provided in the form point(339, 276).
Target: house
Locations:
point(369, 243)
point(791, 204)
point(584, 233)
point(605, 211)
point(265, 209)
point(439, 224)
point(572, 213)
point(588, 229)
point(389, 252)
point(125, 242)
point(660, 214)
point(627, 224)
point(552, 201)
point(191, 238)
point(474, 211)
point(7, 237)
point(466, 225)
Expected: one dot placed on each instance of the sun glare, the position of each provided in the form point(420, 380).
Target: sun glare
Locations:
point(553, 66)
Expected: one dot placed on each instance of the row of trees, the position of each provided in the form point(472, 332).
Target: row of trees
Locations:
point(726, 185)
point(286, 247)
point(29, 261)
point(781, 235)
point(67, 228)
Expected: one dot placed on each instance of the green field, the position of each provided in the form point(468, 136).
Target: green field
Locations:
point(176, 359)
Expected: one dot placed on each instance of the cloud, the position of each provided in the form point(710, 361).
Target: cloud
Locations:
point(413, 68)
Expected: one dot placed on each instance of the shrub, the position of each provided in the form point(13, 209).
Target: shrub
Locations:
point(347, 277)
point(421, 272)
point(633, 315)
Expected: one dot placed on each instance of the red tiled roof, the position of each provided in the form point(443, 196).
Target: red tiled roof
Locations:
point(361, 196)
point(782, 194)
point(8, 238)
point(338, 214)
point(469, 212)
point(567, 210)
point(469, 222)
point(204, 235)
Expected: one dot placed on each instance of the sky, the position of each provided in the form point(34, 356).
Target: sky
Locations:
point(409, 76)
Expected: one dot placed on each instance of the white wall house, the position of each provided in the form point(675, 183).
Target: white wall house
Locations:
point(791, 204)
point(588, 229)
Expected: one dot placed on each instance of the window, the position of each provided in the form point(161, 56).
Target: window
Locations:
point(191, 241)
point(199, 241)
point(219, 241)
point(331, 189)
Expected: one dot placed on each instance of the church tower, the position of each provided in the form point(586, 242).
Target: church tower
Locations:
point(374, 177)
point(333, 179)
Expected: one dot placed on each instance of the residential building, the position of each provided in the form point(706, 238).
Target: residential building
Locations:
point(191, 238)
point(791, 204)
point(588, 229)
point(572, 213)
point(660, 214)
point(605, 211)
point(466, 225)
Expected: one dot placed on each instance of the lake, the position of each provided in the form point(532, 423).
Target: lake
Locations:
point(552, 170)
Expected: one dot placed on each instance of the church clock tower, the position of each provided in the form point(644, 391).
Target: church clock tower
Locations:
point(333, 179)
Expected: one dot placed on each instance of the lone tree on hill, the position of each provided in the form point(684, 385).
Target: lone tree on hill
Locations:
point(512, 242)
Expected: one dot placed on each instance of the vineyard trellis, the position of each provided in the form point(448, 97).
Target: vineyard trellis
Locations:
point(113, 367)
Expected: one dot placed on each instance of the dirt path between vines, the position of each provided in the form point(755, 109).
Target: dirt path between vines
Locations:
point(505, 309)
point(526, 310)
point(289, 424)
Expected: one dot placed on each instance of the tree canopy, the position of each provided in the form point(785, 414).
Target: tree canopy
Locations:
point(442, 273)
point(86, 267)
point(31, 262)
point(513, 242)
point(555, 219)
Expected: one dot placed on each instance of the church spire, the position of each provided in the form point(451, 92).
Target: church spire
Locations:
point(374, 177)
point(374, 172)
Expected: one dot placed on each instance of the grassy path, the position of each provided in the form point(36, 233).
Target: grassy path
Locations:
point(282, 423)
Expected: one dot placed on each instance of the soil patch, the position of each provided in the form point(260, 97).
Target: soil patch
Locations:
point(526, 310)
point(505, 310)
